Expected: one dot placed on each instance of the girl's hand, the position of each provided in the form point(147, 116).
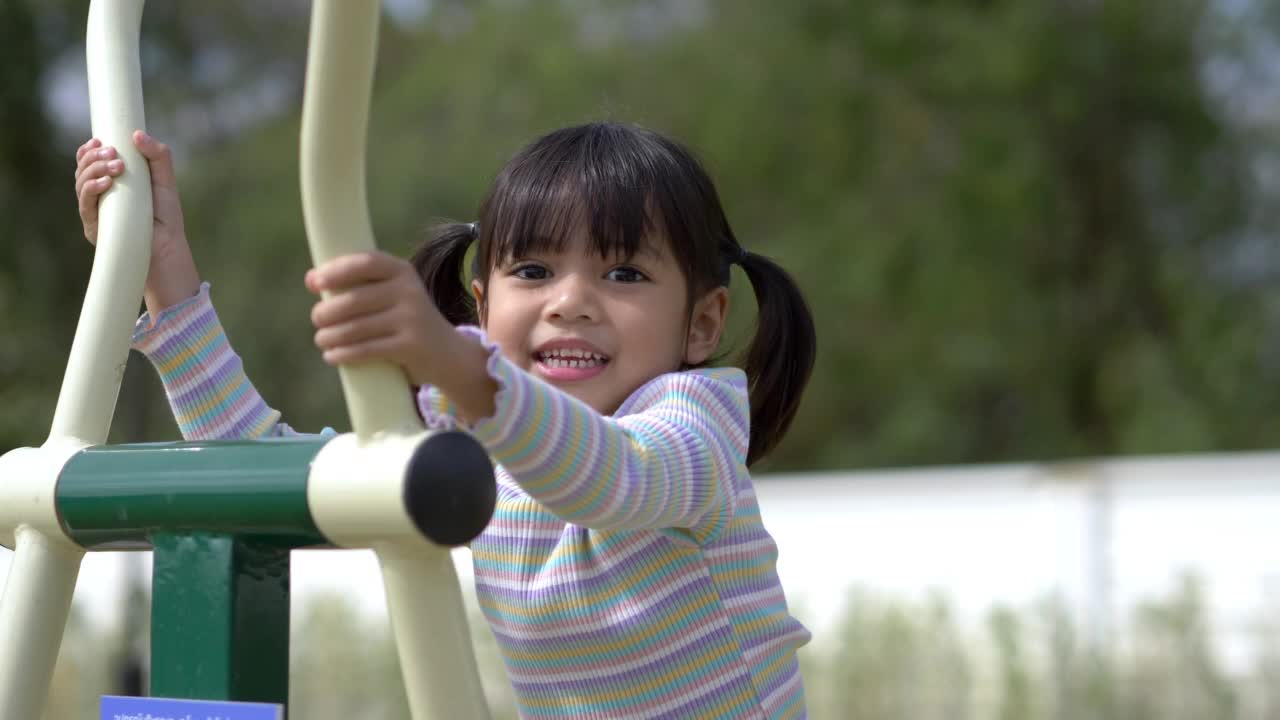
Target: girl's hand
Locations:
point(96, 166)
point(172, 276)
point(378, 309)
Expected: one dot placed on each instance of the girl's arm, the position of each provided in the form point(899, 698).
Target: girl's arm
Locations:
point(668, 460)
point(204, 379)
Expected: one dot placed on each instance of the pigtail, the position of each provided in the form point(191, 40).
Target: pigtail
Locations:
point(439, 261)
point(780, 359)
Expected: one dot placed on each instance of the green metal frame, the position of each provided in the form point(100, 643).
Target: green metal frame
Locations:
point(221, 518)
point(119, 494)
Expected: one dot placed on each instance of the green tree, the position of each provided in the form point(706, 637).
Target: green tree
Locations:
point(1000, 211)
point(1019, 225)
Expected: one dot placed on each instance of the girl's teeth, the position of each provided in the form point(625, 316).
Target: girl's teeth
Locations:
point(556, 362)
point(571, 358)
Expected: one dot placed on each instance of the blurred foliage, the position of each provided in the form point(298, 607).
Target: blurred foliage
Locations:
point(332, 647)
point(886, 658)
point(1027, 230)
point(1029, 665)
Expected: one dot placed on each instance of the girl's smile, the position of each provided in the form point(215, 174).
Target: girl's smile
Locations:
point(568, 360)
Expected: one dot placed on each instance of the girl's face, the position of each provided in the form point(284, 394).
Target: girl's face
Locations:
point(598, 328)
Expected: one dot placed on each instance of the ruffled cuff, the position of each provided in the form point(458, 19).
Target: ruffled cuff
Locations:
point(154, 338)
point(438, 412)
point(510, 402)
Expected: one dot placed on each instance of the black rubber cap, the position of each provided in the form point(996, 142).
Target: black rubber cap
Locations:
point(449, 489)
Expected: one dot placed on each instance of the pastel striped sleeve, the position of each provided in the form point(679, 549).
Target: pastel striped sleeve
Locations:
point(203, 377)
point(667, 459)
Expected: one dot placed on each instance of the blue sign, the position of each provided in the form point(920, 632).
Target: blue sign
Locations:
point(145, 708)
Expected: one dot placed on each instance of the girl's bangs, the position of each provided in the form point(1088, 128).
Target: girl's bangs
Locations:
point(543, 200)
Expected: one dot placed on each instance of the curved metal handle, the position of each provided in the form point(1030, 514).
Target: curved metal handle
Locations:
point(100, 349)
point(427, 614)
point(335, 114)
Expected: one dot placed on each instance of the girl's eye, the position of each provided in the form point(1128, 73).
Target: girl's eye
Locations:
point(530, 271)
point(626, 274)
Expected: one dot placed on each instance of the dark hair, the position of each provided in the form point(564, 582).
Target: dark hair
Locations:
point(637, 181)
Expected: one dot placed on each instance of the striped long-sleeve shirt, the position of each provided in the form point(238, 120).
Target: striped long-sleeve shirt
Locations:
point(626, 571)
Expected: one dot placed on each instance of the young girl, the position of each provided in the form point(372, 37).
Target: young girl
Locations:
point(626, 571)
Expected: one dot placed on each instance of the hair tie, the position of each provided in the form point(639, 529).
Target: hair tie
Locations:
point(740, 256)
point(474, 228)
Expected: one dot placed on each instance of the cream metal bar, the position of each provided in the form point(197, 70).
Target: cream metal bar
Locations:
point(348, 500)
point(335, 114)
point(42, 577)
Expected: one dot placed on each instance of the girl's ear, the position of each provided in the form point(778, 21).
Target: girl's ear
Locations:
point(706, 324)
point(477, 291)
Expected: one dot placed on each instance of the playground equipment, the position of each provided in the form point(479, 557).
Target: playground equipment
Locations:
point(222, 517)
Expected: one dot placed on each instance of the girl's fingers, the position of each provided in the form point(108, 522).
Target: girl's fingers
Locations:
point(91, 189)
point(98, 170)
point(92, 156)
point(88, 197)
point(369, 299)
point(356, 332)
point(354, 269)
point(377, 349)
point(158, 157)
point(80, 151)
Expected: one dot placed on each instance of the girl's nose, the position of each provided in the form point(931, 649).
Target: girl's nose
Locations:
point(573, 299)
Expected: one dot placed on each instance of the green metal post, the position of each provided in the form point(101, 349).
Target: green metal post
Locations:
point(220, 618)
